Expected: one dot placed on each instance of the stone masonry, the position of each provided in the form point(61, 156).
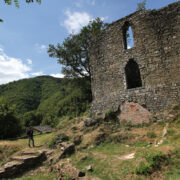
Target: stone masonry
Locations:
point(156, 55)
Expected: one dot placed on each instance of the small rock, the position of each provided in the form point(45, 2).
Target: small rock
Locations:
point(165, 130)
point(89, 168)
point(90, 122)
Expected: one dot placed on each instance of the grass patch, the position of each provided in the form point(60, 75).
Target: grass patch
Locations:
point(6, 152)
point(40, 176)
point(118, 138)
point(140, 144)
point(151, 134)
point(154, 161)
point(174, 166)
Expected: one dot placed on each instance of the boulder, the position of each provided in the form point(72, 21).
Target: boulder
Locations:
point(21, 163)
point(66, 149)
point(134, 113)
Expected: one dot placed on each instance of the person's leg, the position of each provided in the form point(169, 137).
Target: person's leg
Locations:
point(32, 141)
point(29, 141)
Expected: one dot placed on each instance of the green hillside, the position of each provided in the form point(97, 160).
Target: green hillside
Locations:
point(46, 99)
point(28, 94)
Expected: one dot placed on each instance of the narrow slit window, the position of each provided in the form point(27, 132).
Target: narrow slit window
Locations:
point(133, 77)
point(130, 39)
point(128, 36)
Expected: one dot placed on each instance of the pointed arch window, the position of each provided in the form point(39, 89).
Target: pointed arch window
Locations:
point(133, 77)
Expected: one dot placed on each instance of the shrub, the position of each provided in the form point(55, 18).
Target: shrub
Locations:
point(156, 159)
point(58, 139)
point(154, 162)
point(143, 168)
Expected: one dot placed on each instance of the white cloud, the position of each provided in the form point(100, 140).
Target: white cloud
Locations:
point(104, 18)
point(58, 75)
point(29, 61)
point(76, 20)
point(40, 73)
point(40, 47)
point(12, 69)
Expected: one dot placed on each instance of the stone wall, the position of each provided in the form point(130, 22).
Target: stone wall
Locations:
point(156, 51)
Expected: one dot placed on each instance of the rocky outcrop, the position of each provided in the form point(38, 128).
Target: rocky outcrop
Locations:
point(66, 149)
point(24, 161)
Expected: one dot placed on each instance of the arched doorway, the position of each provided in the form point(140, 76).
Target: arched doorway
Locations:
point(133, 77)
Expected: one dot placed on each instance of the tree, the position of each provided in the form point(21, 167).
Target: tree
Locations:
point(16, 2)
point(142, 5)
point(10, 126)
point(74, 53)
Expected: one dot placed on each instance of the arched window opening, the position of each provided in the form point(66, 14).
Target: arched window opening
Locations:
point(133, 77)
point(128, 36)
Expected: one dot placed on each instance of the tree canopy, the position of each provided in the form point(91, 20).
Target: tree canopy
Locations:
point(74, 52)
point(9, 124)
point(16, 2)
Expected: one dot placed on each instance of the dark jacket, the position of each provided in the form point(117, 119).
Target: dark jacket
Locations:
point(30, 132)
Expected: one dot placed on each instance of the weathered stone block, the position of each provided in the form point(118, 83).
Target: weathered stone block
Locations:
point(134, 113)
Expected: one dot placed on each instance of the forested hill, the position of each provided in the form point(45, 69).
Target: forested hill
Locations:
point(28, 94)
point(46, 96)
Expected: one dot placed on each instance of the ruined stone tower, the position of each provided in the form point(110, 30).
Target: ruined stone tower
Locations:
point(149, 72)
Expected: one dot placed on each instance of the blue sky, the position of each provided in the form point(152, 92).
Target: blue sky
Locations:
point(27, 31)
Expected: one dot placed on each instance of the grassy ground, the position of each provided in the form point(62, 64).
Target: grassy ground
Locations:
point(104, 148)
point(150, 162)
point(8, 148)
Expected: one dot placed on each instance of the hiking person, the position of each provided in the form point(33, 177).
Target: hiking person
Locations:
point(30, 132)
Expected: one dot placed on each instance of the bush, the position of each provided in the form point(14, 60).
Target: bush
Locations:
point(50, 120)
point(58, 139)
point(143, 168)
point(154, 162)
point(156, 159)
